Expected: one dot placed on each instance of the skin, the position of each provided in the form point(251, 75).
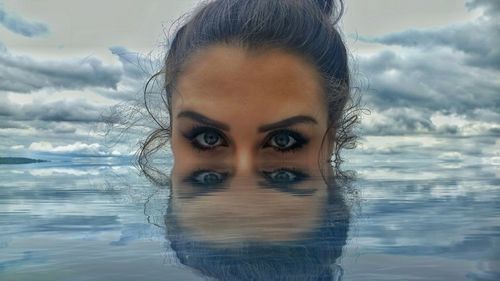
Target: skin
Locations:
point(247, 92)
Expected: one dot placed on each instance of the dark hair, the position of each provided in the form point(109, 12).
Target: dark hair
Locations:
point(304, 27)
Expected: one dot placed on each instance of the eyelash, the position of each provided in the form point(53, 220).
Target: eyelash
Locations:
point(300, 140)
point(197, 130)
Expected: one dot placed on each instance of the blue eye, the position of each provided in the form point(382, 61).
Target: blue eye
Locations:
point(205, 138)
point(285, 140)
point(282, 140)
point(208, 178)
point(201, 182)
point(209, 139)
point(286, 180)
point(282, 176)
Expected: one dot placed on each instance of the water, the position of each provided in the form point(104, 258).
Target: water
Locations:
point(400, 220)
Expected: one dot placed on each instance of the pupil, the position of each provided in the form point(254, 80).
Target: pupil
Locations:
point(211, 178)
point(211, 138)
point(283, 177)
point(282, 140)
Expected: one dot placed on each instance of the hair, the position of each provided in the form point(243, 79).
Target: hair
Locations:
point(307, 28)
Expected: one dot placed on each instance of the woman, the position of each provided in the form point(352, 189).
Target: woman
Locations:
point(248, 82)
point(258, 94)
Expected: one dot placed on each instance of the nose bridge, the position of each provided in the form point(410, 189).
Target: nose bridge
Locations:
point(245, 159)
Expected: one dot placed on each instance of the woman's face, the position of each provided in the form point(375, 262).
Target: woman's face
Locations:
point(244, 108)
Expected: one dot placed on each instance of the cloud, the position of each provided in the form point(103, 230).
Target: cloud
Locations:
point(407, 120)
point(9, 124)
point(476, 40)
point(23, 74)
point(21, 26)
point(492, 7)
point(64, 110)
point(435, 80)
point(135, 65)
point(67, 110)
point(77, 148)
point(447, 71)
point(137, 68)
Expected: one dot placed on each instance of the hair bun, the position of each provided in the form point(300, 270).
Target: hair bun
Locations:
point(331, 8)
point(325, 5)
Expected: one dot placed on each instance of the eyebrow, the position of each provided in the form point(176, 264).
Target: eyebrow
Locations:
point(287, 123)
point(264, 128)
point(203, 119)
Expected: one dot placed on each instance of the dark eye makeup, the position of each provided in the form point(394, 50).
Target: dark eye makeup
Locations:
point(285, 140)
point(205, 138)
point(208, 138)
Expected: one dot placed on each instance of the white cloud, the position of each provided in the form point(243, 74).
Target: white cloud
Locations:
point(75, 148)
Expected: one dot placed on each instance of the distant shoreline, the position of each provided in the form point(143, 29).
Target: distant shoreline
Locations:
point(19, 160)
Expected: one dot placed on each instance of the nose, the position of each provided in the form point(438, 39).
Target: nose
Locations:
point(245, 161)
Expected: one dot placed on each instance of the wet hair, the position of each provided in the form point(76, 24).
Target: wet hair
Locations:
point(307, 28)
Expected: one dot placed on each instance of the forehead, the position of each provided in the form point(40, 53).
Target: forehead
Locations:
point(229, 79)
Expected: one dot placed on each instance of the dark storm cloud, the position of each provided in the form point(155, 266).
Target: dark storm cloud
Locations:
point(24, 74)
point(21, 26)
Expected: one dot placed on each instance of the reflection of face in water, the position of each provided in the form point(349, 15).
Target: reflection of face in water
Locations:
point(284, 222)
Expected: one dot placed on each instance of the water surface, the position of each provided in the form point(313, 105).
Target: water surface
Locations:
point(400, 220)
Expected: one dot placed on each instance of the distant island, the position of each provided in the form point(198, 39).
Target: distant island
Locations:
point(19, 160)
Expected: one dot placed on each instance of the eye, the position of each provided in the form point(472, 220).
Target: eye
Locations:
point(285, 140)
point(205, 138)
point(285, 180)
point(206, 178)
point(282, 176)
point(209, 139)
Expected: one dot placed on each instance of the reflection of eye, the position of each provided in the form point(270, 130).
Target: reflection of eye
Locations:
point(285, 140)
point(209, 178)
point(284, 177)
point(206, 178)
point(205, 138)
point(285, 180)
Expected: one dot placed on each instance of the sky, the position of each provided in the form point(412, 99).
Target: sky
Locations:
point(428, 73)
